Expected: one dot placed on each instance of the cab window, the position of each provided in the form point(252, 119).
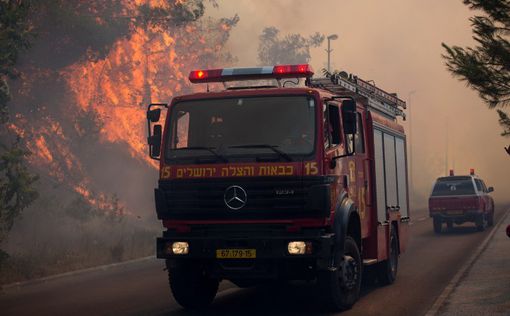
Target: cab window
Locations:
point(331, 126)
point(359, 139)
point(480, 186)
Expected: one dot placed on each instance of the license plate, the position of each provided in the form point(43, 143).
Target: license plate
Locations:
point(454, 212)
point(236, 253)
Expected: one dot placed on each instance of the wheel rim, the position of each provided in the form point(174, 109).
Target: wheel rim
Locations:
point(350, 272)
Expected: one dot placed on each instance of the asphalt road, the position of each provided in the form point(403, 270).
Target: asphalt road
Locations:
point(141, 288)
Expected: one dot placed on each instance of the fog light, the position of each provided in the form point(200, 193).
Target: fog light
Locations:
point(180, 248)
point(299, 247)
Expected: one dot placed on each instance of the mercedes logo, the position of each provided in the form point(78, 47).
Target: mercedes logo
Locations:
point(235, 197)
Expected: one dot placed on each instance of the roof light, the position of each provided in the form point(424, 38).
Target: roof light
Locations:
point(232, 74)
point(472, 171)
point(205, 75)
point(451, 172)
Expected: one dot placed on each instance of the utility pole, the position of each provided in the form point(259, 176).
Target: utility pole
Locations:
point(411, 163)
point(330, 38)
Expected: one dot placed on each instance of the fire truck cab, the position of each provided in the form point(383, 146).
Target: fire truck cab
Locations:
point(265, 183)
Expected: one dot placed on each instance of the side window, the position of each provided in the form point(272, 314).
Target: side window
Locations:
point(181, 130)
point(325, 123)
point(332, 125)
point(483, 186)
point(479, 185)
point(359, 139)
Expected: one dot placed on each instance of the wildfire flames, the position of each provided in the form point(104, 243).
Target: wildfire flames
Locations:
point(150, 65)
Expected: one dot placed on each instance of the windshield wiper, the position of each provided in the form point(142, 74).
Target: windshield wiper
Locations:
point(273, 148)
point(209, 149)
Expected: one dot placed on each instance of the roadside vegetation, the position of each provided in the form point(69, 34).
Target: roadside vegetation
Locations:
point(486, 66)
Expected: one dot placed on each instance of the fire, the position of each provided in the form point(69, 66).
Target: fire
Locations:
point(150, 65)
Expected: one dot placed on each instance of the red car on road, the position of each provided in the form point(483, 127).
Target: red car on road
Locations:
point(459, 199)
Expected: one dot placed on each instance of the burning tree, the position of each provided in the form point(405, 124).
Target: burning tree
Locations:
point(80, 103)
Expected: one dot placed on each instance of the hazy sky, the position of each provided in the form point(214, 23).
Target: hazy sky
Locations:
point(396, 43)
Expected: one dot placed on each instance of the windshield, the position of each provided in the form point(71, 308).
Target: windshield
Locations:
point(453, 186)
point(278, 127)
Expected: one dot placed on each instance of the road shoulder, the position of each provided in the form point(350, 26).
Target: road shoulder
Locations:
point(481, 286)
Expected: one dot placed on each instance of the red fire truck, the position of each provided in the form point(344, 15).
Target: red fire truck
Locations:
point(279, 182)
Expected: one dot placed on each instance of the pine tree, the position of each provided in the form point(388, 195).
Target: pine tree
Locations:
point(486, 66)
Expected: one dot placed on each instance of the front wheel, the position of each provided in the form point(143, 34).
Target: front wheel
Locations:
point(339, 288)
point(387, 269)
point(191, 287)
point(437, 225)
point(481, 223)
point(490, 220)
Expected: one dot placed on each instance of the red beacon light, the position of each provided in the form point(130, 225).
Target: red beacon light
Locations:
point(472, 171)
point(234, 74)
point(451, 172)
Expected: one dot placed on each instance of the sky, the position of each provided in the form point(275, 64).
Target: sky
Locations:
point(396, 43)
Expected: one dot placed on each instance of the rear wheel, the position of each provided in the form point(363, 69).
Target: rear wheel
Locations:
point(437, 225)
point(387, 269)
point(490, 219)
point(339, 288)
point(481, 223)
point(191, 287)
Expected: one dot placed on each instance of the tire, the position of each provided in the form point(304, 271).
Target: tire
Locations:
point(437, 225)
point(191, 288)
point(387, 269)
point(490, 219)
point(481, 223)
point(339, 289)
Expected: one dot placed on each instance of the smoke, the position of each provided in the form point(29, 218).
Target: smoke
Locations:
point(397, 43)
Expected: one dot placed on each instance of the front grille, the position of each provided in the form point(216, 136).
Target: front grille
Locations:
point(275, 197)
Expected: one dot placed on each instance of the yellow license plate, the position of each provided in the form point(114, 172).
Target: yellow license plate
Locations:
point(236, 253)
point(454, 212)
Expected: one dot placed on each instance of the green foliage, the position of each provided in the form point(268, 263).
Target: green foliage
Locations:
point(16, 182)
point(485, 67)
point(16, 186)
point(291, 49)
point(504, 121)
point(14, 37)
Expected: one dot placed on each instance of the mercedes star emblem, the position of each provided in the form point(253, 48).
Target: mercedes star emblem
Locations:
point(235, 197)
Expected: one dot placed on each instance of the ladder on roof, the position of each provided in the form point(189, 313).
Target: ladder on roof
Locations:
point(379, 100)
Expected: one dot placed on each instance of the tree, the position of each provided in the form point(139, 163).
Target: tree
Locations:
point(486, 67)
point(16, 181)
point(14, 37)
point(291, 49)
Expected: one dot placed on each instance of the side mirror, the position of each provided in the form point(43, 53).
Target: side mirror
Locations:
point(490, 189)
point(154, 141)
point(153, 115)
point(349, 116)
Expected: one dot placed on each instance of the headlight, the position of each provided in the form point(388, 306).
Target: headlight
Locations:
point(180, 248)
point(299, 247)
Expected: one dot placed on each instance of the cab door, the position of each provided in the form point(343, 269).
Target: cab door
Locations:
point(359, 169)
point(333, 146)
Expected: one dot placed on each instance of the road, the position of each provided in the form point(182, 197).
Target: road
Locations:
point(141, 288)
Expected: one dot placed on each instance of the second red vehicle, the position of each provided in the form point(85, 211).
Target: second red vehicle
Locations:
point(460, 199)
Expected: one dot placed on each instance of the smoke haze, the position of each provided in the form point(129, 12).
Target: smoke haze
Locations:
point(396, 43)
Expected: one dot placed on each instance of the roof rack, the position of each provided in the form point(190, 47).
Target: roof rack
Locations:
point(379, 100)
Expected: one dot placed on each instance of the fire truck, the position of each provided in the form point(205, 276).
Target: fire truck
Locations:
point(285, 181)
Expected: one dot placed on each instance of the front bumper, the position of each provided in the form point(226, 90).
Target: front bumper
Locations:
point(272, 258)
point(464, 216)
